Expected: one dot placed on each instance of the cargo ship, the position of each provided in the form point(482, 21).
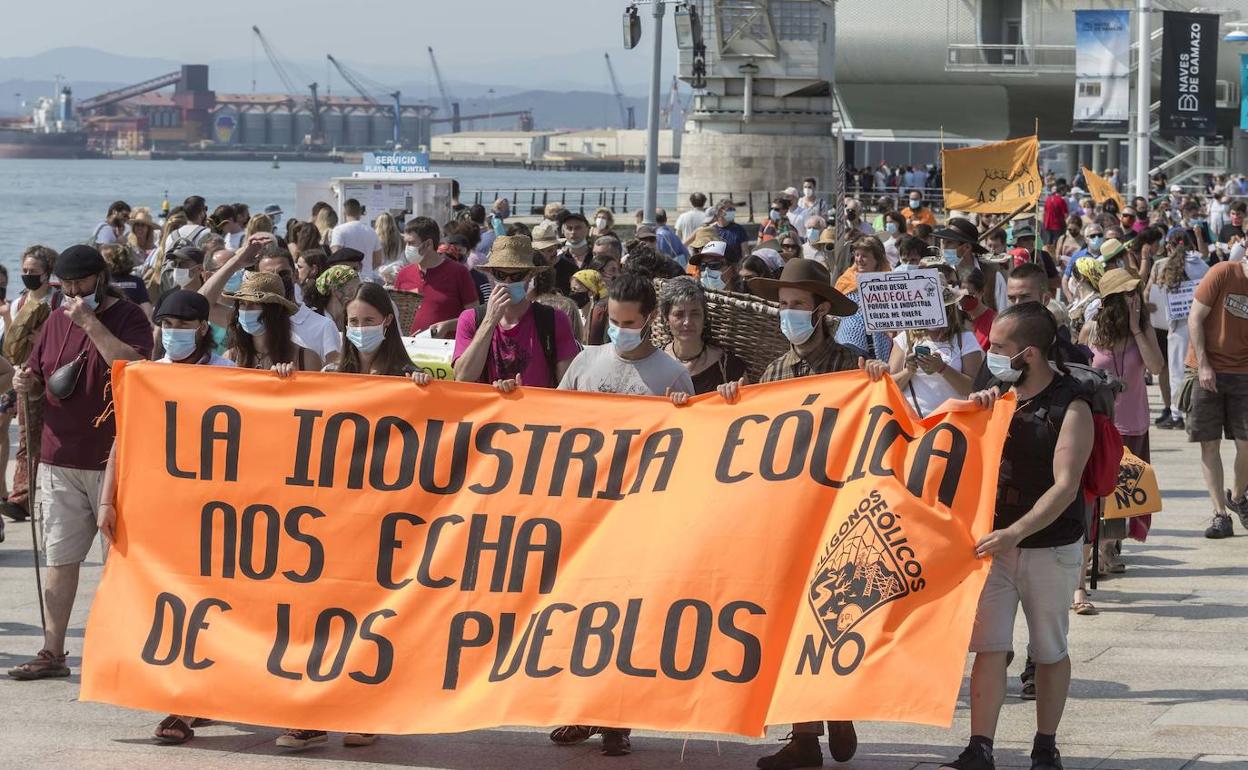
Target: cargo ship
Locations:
point(52, 132)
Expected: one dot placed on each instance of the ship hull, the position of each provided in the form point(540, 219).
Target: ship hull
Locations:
point(17, 143)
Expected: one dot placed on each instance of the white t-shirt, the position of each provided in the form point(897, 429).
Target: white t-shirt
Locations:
point(318, 333)
point(689, 221)
point(359, 236)
point(931, 390)
point(104, 234)
point(234, 240)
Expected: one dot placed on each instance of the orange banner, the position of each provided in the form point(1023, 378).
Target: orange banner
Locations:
point(995, 178)
point(356, 553)
point(1100, 189)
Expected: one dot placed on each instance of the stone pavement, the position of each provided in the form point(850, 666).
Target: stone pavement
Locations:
point(1160, 682)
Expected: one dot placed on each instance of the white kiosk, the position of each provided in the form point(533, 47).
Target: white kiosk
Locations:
point(395, 182)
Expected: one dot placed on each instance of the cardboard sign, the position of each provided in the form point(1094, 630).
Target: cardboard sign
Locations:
point(1137, 493)
point(1179, 300)
point(431, 355)
point(900, 301)
point(357, 553)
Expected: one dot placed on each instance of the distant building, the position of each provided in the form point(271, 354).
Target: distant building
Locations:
point(609, 143)
point(523, 145)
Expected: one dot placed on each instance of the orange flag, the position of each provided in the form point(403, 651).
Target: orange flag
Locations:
point(1136, 493)
point(1100, 189)
point(996, 178)
point(342, 552)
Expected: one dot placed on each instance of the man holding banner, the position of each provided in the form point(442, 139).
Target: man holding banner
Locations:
point(1037, 540)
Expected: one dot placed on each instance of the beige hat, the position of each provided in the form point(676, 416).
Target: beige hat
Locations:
point(827, 237)
point(265, 288)
point(703, 236)
point(545, 236)
point(1118, 281)
point(511, 252)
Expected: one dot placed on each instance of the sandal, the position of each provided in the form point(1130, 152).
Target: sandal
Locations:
point(1084, 608)
point(182, 731)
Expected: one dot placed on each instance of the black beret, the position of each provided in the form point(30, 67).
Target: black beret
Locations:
point(79, 261)
point(345, 254)
point(183, 305)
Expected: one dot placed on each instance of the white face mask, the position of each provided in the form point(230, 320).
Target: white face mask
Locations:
point(808, 191)
point(412, 255)
point(601, 223)
point(1002, 367)
point(182, 276)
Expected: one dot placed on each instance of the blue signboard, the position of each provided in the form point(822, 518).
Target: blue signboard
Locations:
point(1243, 91)
point(396, 162)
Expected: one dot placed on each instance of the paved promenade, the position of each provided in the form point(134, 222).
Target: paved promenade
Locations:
point(1160, 682)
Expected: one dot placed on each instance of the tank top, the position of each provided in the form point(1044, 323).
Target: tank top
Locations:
point(1027, 465)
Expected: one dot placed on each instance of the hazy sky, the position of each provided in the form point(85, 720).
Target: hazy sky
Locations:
point(384, 32)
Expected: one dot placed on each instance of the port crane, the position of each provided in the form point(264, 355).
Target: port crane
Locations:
point(355, 80)
point(627, 119)
point(318, 134)
point(445, 92)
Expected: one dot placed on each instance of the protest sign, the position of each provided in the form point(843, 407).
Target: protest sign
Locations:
point(1100, 189)
point(1179, 300)
point(1136, 493)
point(430, 355)
point(344, 552)
point(898, 301)
point(995, 178)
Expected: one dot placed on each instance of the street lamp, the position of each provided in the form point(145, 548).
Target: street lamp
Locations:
point(688, 33)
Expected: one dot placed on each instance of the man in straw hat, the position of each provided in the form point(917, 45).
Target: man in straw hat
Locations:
point(513, 340)
point(806, 296)
point(960, 246)
point(69, 369)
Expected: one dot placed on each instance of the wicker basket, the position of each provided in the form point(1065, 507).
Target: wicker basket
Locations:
point(408, 302)
point(748, 326)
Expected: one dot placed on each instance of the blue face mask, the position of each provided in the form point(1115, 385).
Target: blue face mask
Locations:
point(890, 227)
point(234, 283)
point(625, 340)
point(179, 344)
point(950, 255)
point(797, 325)
point(366, 339)
point(812, 235)
point(250, 321)
point(905, 267)
point(1095, 242)
point(713, 279)
point(730, 216)
point(517, 291)
point(775, 215)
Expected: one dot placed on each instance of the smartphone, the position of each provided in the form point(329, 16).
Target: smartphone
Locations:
point(923, 350)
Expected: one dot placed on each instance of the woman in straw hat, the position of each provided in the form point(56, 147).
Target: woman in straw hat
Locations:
point(932, 366)
point(1123, 344)
point(259, 334)
point(513, 339)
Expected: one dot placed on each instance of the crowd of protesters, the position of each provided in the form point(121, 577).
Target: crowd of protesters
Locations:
point(571, 303)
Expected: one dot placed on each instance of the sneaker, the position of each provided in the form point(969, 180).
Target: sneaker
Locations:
point(359, 739)
point(973, 757)
point(1176, 423)
point(616, 743)
point(1240, 507)
point(13, 511)
point(570, 735)
point(1219, 528)
point(1163, 421)
point(302, 739)
point(1046, 759)
point(45, 665)
point(802, 750)
point(842, 741)
point(1028, 678)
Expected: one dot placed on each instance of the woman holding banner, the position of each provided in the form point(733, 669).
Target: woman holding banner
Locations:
point(932, 366)
point(682, 305)
point(1123, 344)
point(259, 335)
point(868, 257)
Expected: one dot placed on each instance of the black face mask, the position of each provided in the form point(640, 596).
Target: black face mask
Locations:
point(32, 282)
point(581, 298)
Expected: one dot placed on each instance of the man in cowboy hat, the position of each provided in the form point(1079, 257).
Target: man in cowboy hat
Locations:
point(512, 340)
point(806, 296)
point(959, 240)
point(69, 368)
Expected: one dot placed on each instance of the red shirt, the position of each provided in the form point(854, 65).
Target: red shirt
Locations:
point(70, 437)
point(446, 289)
point(1055, 212)
point(983, 325)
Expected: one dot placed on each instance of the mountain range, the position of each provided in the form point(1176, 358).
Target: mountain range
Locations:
point(567, 90)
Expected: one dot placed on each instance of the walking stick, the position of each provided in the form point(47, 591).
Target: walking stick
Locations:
point(30, 503)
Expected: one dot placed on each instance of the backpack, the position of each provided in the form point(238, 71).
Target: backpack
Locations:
point(1100, 475)
point(544, 320)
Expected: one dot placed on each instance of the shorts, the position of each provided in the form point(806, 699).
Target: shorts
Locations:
point(1043, 581)
point(68, 501)
point(1210, 416)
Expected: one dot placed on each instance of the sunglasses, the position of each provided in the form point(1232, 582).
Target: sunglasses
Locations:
point(713, 265)
point(511, 277)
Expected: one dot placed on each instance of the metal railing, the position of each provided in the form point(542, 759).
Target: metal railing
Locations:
point(752, 206)
point(1020, 59)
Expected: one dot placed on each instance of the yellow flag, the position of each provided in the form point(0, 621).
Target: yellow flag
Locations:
point(996, 178)
point(1100, 188)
